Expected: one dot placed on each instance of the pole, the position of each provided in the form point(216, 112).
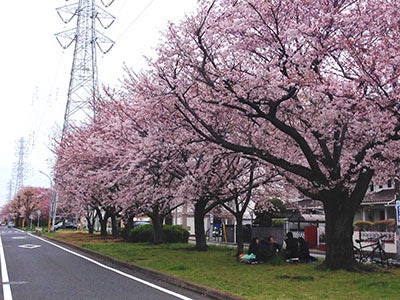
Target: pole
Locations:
point(210, 233)
point(55, 196)
point(398, 229)
point(53, 203)
point(38, 217)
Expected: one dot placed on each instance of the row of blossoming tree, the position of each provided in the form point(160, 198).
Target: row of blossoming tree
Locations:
point(241, 94)
point(136, 159)
point(28, 204)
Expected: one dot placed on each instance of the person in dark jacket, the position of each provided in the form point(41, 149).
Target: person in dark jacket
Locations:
point(274, 245)
point(268, 248)
point(304, 252)
point(290, 246)
point(265, 250)
point(254, 247)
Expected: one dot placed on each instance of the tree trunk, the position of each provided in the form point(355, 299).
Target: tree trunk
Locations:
point(103, 226)
point(103, 221)
point(114, 225)
point(157, 230)
point(157, 221)
point(239, 235)
point(339, 217)
point(199, 213)
point(168, 219)
point(340, 207)
point(90, 225)
point(128, 222)
point(90, 216)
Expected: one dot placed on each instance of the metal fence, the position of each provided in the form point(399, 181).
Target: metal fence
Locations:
point(389, 237)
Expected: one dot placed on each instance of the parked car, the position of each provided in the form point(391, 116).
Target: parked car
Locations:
point(140, 223)
point(10, 224)
point(66, 225)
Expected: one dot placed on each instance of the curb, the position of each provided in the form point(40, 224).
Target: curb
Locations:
point(171, 279)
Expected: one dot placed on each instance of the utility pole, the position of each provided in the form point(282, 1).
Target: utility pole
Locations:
point(53, 204)
point(83, 84)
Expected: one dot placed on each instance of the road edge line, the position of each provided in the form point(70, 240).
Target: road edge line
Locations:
point(164, 290)
point(7, 295)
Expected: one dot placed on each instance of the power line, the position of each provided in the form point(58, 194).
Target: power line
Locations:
point(134, 20)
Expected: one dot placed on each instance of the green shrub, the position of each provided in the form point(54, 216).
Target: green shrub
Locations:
point(384, 225)
point(142, 234)
point(278, 223)
point(175, 234)
point(171, 234)
point(28, 228)
point(124, 233)
point(362, 225)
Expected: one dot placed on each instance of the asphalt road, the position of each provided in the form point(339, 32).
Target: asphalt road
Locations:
point(34, 268)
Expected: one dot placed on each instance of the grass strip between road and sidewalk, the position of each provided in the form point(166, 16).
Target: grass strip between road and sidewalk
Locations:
point(218, 269)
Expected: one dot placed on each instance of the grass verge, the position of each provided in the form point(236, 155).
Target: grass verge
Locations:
point(217, 268)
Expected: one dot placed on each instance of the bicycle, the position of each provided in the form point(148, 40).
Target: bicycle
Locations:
point(377, 255)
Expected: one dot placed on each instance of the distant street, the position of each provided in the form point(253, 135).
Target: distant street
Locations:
point(33, 268)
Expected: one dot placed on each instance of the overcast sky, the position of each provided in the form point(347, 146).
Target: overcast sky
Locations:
point(35, 72)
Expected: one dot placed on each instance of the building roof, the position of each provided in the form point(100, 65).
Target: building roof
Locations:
point(304, 204)
point(297, 216)
point(380, 197)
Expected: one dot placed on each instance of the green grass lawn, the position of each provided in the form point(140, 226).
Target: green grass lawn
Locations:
point(218, 268)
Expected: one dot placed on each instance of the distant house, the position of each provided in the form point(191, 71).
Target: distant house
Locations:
point(379, 202)
point(304, 212)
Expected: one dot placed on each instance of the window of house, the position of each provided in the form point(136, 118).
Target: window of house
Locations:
point(381, 215)
point(389, 184)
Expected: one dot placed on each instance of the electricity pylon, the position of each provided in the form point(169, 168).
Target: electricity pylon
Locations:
point(10, 190)
point(83, 84)
point(20, 167)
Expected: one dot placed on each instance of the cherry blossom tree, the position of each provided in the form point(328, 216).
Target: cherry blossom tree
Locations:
point(253, 185)
point(13, 210)
point(215, 177)
point(83, 177)
point(26, 203)
point(148, 176)
point(310, 87)
point(122, 162)
point(209, 175)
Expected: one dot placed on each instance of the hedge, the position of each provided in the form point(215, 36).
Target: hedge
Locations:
point(171, 234)
point(142, 233)
point(382, 225)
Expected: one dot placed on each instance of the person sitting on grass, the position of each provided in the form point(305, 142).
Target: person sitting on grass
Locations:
point(304, 252)
point(276, 248)
point(268, 249)
point(254, 247)
point(290, 246)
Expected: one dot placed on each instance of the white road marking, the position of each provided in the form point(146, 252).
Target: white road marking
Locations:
point(115, 270)
point(4, 274)
point(29, 246)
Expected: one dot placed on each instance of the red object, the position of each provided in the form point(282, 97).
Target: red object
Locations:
point(322, 247)
point(310, 235)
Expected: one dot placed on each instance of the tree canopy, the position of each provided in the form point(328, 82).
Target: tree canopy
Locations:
point(310, 87)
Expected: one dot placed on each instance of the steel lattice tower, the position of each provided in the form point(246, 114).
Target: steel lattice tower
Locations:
point(20, 170)
point(83, 85)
